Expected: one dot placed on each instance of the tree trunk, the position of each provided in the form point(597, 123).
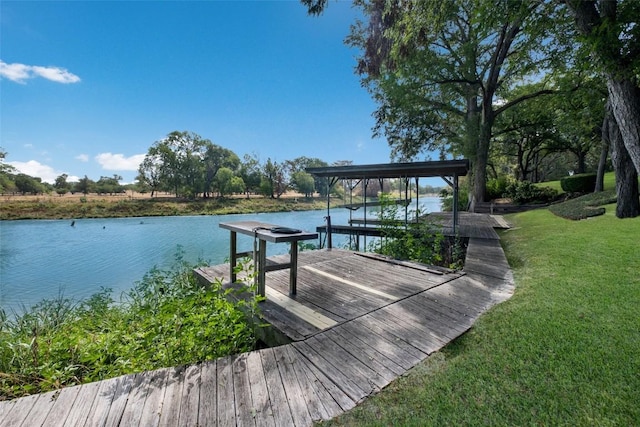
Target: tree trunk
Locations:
point(582, 162)
point(626, 176)
point(597, 21)
point(602, 166)
point(624, 97)
point(604, 153)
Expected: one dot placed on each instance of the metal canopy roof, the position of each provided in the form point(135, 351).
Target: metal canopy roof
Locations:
point(395, 170)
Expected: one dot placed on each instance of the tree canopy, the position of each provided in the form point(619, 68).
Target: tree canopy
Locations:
point(444, 72)
point(439, 72)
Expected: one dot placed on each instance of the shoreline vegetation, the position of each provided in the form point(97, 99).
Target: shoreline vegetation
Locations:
point(79, 206)
point(167, 319)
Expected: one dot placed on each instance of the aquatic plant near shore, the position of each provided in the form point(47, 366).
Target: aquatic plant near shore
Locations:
point(167, 319)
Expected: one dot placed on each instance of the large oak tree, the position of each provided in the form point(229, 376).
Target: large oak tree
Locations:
point(437, 70)
point(611, 32)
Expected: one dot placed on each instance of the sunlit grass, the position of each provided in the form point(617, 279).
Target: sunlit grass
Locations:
point(564, 350)
point(609, 183)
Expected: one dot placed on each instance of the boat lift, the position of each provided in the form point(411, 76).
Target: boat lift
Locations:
point(448, 170)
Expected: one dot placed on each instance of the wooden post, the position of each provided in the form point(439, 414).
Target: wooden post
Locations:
point(365, 183)
point(329, 241)
point(417, 196)
point(262, 263)
point(293, 269)
point(233, 256)
point(455, 203)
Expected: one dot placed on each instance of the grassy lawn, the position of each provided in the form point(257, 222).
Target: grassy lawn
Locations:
point(609, 183)
point(564, 350)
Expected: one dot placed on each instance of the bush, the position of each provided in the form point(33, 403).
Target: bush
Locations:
point(496, 188)
point(167, 319)
point(585, 206)
point(525, 192)
point(421, 242)
point(581, 183)
point(446, 196)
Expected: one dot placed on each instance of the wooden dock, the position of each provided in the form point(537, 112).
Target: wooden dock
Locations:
point(356, 324)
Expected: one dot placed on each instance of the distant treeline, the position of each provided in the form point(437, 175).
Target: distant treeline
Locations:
point(188, 166)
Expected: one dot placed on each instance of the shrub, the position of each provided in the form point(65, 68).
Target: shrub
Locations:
point(446, 196)
point(525, 192)
point(421, 242)
point(585, 206)
point(167, 319)
point(496, 188)
point(581, 183)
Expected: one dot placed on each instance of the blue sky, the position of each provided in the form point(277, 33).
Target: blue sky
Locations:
point(87, 87)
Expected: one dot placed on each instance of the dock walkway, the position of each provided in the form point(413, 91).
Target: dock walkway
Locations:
point(357, 323)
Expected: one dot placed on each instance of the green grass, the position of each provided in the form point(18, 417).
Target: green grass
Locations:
point(609, 183)
point(564, 350)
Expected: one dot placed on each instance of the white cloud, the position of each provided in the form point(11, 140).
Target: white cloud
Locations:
point(83, 157)
point(37, 169)
point(21, 72)
point(118, 162)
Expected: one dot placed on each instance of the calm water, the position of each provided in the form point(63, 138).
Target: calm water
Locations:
point(41, 258)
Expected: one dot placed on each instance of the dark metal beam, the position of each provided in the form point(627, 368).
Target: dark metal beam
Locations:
point(395, 170)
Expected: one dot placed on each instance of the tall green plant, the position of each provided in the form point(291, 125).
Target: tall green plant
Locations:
point(422, 241)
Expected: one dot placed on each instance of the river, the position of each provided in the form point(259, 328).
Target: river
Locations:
point(43, 258)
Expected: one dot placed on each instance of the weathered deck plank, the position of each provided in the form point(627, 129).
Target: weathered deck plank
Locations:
point(190, 400)
point(296, 329)
point(5, 408)
point(132, 412)
point(17, 411)
point(388, 348)
point(329, 295)
point(414, 334)
point(99, 411)
point(330, 396)
point(277, 393)
point(295, 398)
point(62, 406)
point(366, 378)
point(412, 312)
point(226, 404)
point(313, 403)
point(342, 381)
point(365, 354)
point(260, 403)
point(170, 414)
point(207, 384)
point(153, 403)
point(120, 392)
point(409, 352)
point(78, 415)
point(305, 313)
point(242, 392)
